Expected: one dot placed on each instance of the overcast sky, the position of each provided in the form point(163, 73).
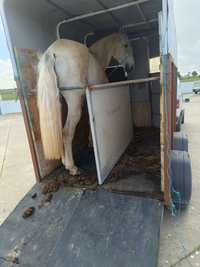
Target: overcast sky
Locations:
point(187, 16)
point(6, 73)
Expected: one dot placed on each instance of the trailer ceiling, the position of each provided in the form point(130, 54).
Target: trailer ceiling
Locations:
point(32, 24)
point(138, 14)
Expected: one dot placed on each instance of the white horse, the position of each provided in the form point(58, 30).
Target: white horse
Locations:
point(115, 46)
point(69, 64)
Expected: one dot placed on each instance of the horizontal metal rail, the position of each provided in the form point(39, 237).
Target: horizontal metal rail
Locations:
point(117, 84)
point(138, 24)
point(71, 88)
point(95, 13)
point(102, 86)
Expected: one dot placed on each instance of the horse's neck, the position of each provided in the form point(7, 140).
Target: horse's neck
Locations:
point(96, 73)
point(103, 52)
point(101, 58)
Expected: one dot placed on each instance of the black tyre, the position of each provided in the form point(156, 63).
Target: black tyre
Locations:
point(178, 125)
point(180, 141)
point(181, 178)
point(183, 119)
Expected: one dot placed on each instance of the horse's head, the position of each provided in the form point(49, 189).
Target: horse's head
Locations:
point(115, 46)
point(123, 52)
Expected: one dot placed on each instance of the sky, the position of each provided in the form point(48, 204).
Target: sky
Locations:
point(6, 73)
point(187, 17)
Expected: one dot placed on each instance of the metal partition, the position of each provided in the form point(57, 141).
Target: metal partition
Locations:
point(111, 123)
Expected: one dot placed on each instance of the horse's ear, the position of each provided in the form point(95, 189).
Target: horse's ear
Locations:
point(85, 41)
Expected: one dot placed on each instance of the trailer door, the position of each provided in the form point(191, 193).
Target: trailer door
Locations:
point(111, 125)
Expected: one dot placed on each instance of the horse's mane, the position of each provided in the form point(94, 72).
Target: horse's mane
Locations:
point(105, 39)
point(103, 47)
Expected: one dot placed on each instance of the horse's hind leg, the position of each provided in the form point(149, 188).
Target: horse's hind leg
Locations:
point(74, 101)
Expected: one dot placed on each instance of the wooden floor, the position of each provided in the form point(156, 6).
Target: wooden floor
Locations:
point(138, 172)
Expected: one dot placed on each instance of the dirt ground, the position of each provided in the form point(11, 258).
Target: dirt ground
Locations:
point(180, 235)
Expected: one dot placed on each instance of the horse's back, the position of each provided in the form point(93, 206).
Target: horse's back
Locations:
point(71, 62)
point(68, 46)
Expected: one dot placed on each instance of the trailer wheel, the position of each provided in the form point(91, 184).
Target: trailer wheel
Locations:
point(178, 125)
point(180, 141)
point(183, 119)
point(181, 178)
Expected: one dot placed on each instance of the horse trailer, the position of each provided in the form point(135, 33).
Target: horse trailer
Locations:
point(134, 163)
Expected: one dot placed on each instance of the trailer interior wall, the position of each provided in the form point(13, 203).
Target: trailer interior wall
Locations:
point(146, 97)
point(32, 25)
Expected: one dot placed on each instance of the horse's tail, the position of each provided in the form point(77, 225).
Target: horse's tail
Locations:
point(49, 108)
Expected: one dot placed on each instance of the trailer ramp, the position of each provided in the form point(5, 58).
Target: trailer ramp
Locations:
point(110, 230)
point(83, 229)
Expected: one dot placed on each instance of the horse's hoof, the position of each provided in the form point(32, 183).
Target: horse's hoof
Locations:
point(63, 160)
point(74, 171)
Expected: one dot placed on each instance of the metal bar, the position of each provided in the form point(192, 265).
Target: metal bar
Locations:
point(106, 85)
point(61, 89)
point(117, 84)
point(144, 34)
point(114, 66)
point(64, 11)
point(136, 38)
point(141, 12)
point(92, 14)
point(71, 88)
point(139, 23)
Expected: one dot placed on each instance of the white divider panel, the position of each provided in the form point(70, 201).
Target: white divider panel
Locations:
point(111, 125)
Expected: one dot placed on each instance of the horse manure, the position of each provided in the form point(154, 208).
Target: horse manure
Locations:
point(12, 259)
point(34, 195)
point(51, 187)
point(49, 198)
point(28, 212)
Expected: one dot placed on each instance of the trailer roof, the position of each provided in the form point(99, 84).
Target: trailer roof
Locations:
point(104, 15)
point(32, 24)
point(93, 15)
point(89, 15)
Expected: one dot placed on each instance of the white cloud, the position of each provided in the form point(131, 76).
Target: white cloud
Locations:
point(6, 75)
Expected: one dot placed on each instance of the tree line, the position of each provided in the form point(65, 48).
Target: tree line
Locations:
point(190, 76)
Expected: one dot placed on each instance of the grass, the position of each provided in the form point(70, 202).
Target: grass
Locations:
point(190, 79)
point(8, 95)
